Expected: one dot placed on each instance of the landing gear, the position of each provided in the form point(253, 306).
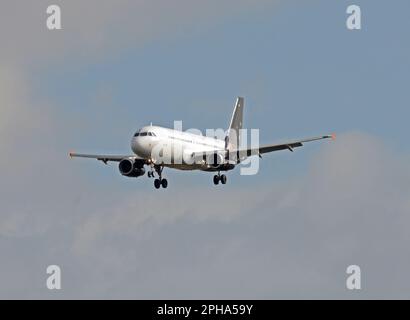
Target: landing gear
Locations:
point(218, 177)
point(159, 182)
point(164, 183)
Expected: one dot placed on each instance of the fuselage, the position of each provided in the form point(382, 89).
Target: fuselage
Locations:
point(173, 148)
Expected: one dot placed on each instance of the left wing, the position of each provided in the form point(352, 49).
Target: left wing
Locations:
point(103, 157)
point(238, 155)
point(241, 154)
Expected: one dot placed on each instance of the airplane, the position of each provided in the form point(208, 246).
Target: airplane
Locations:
point(188, 151)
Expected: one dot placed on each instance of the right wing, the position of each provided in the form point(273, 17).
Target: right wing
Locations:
point(104, 157)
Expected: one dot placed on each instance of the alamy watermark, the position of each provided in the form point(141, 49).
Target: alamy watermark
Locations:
point(53, 21)
point(53, 281)
point(354, 280)
point(354, 20)
point(218, 149)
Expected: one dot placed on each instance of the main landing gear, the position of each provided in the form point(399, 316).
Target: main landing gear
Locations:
point(218, 177)
point(158, 183)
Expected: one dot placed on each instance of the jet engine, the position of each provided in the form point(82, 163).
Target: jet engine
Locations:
point(131, 168)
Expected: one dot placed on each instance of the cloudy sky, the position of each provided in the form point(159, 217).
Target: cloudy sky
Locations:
point(288, 232)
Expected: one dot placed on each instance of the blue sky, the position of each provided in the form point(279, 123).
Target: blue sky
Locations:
point(289, 231)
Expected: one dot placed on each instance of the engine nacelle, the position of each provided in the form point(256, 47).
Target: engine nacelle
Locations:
point(215, 160)
point(130, 168)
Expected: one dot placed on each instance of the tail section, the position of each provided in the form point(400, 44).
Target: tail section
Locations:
point(232, 139)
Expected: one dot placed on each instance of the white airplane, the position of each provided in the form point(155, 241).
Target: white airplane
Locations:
point(159, 147)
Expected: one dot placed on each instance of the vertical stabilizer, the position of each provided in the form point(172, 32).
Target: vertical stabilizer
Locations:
point(232, 139)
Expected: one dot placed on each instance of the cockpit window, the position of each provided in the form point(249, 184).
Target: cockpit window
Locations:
point(144, 134)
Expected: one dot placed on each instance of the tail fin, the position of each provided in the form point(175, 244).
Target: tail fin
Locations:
point(232, 139)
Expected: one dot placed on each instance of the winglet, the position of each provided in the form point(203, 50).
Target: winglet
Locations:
point(330, 136)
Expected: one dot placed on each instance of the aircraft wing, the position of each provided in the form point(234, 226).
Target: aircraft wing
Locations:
point(103, 157)
point(238, 155)
point(241, 154)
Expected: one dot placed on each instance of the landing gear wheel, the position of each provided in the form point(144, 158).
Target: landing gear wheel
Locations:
point(216, 179)
point(223, 179)
point(157, 183)
point(164, 183)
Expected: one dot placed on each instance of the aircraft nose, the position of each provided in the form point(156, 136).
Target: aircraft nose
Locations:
point(139, 146)
point(134, 145)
